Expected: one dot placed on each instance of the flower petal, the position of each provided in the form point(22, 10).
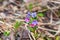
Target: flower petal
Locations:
point(35, 22)
point(27, 20)
point(32, 25)
point(28, 15)
point(33, 14)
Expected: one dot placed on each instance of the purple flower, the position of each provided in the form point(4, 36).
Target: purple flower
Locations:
point(28, 15)
point(34, 14)
point(27, 20)
point(35, 22)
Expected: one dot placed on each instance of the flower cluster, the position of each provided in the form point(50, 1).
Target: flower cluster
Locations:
point(31, 15)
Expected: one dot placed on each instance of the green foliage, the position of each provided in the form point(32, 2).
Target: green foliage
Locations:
point(6, 33)
point(32, 29)
point(36, 35)
point(40, 14)
point(35, 18)
point(17, 24)
point(57, 37)
point(30, 6)
point(31, 19)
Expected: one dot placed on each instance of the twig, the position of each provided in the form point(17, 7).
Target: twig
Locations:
point(52, 11)
point(58, 31)
point(28, 31)
point(55, 2)
point(46, 29)
point(51, 19)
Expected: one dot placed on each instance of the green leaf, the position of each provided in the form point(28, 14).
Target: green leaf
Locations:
point(58, 38)
point(32, 29)
point(35, 18)
point(31, 19)
point(17, 24)
point(6, 33)
point(30, 6)
point(40, 14)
